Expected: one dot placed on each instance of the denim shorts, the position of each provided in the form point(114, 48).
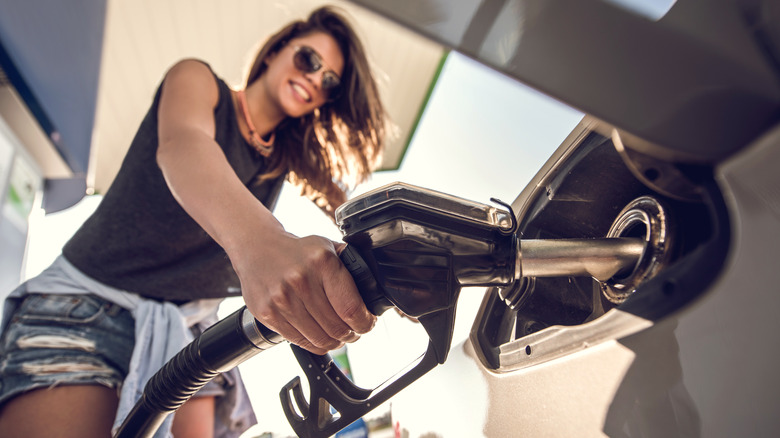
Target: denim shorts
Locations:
point(55, 340)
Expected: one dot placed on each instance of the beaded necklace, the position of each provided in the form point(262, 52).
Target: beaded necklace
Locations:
point(264, 147)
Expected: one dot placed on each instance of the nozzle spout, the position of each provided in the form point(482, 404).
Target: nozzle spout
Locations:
point(601, 259)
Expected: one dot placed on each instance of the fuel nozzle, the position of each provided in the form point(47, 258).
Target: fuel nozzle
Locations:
point(415, 249)
point(422, 247)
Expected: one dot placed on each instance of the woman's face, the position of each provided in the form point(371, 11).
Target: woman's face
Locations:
point(296, 90)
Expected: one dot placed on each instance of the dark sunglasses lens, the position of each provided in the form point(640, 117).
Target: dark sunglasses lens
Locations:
point(330, 81)
point(307, 60)
point(331, 85)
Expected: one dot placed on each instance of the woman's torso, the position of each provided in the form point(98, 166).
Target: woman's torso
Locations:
point(141, 240)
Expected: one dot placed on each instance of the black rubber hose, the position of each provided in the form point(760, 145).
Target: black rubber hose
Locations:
point(220, 348)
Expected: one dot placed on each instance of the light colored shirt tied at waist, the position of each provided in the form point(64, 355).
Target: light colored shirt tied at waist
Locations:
point(162, 329)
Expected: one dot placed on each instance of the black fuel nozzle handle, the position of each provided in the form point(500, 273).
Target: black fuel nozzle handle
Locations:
point(376, 301)
point(430, 300)
point(435, 309)
point(334, 401)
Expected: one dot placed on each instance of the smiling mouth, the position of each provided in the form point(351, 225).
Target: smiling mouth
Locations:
point(302, 92)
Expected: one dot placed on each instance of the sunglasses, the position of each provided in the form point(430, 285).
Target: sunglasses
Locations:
point(307, 60)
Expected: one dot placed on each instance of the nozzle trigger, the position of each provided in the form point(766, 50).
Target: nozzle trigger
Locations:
point(334, 401)
point(303, 415)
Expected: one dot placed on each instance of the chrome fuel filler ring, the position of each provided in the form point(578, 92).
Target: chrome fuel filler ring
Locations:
point(645, 218)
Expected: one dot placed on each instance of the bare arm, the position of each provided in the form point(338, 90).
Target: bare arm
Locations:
point(295, 286)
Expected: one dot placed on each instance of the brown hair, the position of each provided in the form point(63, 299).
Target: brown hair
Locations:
point(336, 146)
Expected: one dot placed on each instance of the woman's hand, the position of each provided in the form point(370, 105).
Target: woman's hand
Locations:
point(299, 288)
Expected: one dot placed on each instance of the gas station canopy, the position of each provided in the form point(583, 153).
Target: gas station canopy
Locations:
point(85, 71)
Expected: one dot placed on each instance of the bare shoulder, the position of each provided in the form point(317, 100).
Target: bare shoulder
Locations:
point(192, 78)
point(189, 66)
point(189, 96)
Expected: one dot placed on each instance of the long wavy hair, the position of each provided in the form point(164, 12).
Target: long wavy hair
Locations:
point(338, 145)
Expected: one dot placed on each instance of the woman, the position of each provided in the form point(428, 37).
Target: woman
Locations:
point(188, 222)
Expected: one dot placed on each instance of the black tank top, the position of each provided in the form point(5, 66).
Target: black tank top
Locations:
point(141, 240)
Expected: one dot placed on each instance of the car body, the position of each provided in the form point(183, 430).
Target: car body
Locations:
point(681, 113)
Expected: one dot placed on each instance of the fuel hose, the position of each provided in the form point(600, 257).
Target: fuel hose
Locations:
point(219, 348)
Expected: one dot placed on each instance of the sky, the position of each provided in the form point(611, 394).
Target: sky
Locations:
point(482, 135)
